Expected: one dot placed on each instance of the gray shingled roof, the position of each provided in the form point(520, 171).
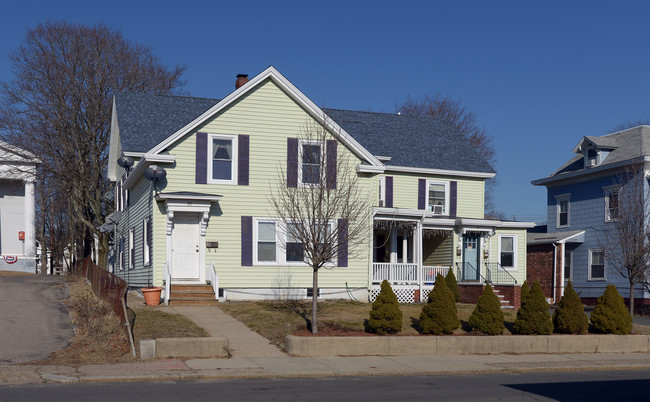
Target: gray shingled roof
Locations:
point(625, 145)
point(553, 237)
point(424, 142)
point(146, 120)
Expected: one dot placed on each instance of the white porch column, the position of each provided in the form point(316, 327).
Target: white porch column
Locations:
point(393, 245)
point(29, 245)
point(405, 246)
point(417, 255)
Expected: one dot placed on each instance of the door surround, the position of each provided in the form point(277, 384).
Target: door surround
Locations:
point(199, 204)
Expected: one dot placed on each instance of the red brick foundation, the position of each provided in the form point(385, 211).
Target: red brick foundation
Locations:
point(471, 293)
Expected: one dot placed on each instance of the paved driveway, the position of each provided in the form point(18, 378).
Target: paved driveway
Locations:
point(33, 319)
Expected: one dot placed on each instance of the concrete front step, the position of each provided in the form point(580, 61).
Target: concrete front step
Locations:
point(504, 303)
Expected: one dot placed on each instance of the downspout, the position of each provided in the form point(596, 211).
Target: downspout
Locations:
point(562, 269)
point(554, 271)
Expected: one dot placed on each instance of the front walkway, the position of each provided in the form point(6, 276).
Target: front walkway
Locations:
point(243, 341)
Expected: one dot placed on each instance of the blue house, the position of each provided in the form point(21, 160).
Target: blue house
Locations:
point(582, 199)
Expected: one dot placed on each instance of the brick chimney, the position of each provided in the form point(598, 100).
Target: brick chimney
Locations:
point(241, 80)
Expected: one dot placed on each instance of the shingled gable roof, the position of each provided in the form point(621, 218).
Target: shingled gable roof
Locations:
point(626, 146)
point(149, 123)
point(146, 120)
point(418, 142)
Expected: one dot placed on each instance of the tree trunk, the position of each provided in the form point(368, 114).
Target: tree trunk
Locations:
point(632, 299)
point(314, 304)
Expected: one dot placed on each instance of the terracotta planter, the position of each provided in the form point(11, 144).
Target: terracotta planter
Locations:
point(151, 296)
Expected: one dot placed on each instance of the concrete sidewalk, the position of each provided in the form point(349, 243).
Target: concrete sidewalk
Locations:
point(205, 369)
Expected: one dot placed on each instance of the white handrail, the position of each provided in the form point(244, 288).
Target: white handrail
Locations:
point(167, 278)
point(213, 278)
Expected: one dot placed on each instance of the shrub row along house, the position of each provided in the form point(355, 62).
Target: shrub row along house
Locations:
point(210, 218)
point(584, 240)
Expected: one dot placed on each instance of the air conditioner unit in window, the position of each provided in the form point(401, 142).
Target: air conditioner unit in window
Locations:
point(438, 209)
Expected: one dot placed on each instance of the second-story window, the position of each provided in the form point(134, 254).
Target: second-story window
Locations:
point(311, 157)
point(611, 205)
point(438, 197)
point(223, 154)
point(563, 209)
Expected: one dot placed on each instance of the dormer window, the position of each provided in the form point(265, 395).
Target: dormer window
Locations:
point(591, 159)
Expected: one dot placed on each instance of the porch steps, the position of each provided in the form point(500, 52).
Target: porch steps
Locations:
point(505, 304)
point(185, 295)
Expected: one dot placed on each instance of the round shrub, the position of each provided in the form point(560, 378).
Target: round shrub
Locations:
point(570, 318)
point(487, 316)
point(452, 284)
point(385, 316)
point(610, 315)
point(439, 315)
point(533, 317)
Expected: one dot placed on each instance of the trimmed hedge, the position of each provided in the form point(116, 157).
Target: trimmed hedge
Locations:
point(385, 316)
point(487, 316)
point(610, 315)
point(570, 317)
point(452, 284)
point(439, 315)
point(533, 317)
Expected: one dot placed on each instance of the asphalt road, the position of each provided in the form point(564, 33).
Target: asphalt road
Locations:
point(34, 321)
point(567, 386)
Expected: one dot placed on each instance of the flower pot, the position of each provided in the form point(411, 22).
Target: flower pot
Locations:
point(151, 296)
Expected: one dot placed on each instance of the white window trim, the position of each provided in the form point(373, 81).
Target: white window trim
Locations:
point(145, 244)
point(514, 250)
point(426, 195)
point(590, 278)
point(570, 277)
point(280, 239)
point(558, 199)
point(382, 191)
point(235, 156)
point(131, 264)
point(121, 254)
point(323, 163)
point(607, 191)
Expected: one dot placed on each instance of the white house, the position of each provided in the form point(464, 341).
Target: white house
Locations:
point(17, 209)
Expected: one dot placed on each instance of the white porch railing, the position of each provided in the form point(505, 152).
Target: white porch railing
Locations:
point(394, 273)
point(212, 278)
point(429, 273)
point(167, 281)
point(406, 273)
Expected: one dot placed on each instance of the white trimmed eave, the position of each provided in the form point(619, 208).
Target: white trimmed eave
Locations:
point(587, 171)
point(189, 197)
point(439, 172)
point(293, 92)
point(146, 160)
point(495, 224)
point(566, 239)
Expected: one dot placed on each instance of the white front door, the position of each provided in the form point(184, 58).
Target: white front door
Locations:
point(185, 247)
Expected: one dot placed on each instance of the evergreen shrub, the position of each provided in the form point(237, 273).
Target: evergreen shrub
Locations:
point(610, 315)
point(439, 315)
point(570, 318)
point(487, 316)
point(533, 317)
point(452, 284)
point(385, 316)
point(525, 289)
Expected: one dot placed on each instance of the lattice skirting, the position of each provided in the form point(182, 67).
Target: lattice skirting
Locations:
point(404, 293)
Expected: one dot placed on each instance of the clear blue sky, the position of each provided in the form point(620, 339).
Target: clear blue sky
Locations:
point(539, 75)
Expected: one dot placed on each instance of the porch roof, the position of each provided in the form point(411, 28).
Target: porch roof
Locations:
point(569, 236)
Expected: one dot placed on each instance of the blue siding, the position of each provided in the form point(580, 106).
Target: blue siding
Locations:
point(587, 211)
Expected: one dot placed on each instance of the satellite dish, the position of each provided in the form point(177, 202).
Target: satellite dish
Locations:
point(114, 217)
point(155, 173)
point(125, 162)
point(109, 196)
point(106, 227)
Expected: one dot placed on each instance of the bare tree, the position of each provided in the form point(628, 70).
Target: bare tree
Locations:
point(466, 121)
point(625, 234)
point(58, 107)
point(320, 205)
